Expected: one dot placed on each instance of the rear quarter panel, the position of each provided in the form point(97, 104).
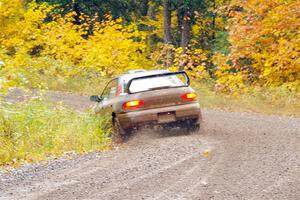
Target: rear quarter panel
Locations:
point(154, 99)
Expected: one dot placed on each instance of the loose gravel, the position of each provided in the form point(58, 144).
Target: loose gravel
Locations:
point(234, 156)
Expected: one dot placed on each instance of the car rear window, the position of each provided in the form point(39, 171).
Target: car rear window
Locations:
point(159, 82)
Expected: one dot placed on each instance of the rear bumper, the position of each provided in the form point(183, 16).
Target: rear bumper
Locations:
point(137, 118)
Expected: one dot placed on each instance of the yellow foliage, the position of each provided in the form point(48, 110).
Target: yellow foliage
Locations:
point(113, 48)
point(28, 41)
point(266, 34)
point(194, 62)
point(264, 37)
point(229, 78)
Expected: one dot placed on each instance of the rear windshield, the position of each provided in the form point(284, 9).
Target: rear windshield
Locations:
point(159, 82)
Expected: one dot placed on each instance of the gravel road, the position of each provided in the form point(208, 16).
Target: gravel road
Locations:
point(250, 156)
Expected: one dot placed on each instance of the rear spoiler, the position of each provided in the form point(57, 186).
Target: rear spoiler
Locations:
point(158, 75)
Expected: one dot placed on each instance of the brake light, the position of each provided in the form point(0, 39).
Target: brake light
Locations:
point(189, 96)
point(133, 104)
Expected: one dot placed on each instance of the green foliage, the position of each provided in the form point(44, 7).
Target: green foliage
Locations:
point(117, 8)
point(34, 130)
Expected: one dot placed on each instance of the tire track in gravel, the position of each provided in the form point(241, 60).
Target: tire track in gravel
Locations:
point(196, 176)
point(131, 180)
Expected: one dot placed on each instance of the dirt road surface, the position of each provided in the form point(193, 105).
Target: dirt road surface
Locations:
point(234, 156)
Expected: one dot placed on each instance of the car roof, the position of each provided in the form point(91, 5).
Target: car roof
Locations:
point(127, 77)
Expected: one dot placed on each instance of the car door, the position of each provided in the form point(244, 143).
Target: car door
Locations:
point(108, 97)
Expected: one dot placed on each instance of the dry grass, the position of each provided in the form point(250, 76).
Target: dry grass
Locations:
point(276, 101)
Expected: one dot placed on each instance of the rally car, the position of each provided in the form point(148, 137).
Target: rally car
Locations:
point(156, 97)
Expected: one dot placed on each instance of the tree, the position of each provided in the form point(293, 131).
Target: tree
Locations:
point(184, 14)
point(167, 33)
point(167, 22)
point(186, 24)
point(117, 8)
point(265, 38)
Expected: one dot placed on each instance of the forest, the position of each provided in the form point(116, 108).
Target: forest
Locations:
point(242, 55)
point(234, 44)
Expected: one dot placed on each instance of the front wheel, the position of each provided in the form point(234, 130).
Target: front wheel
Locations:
point(118, 132)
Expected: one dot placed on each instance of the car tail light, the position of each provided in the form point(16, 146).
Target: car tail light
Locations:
point(189, 96)
point(133, 104)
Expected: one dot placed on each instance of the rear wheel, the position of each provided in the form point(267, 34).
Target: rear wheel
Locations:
point(192, 126)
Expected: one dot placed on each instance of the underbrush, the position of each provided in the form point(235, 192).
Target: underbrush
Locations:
point(35, 130)
point(271, 101)
point(85, 82)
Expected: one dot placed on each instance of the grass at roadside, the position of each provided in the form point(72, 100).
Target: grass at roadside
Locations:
point(276, 101)
point(85, 82)
point(35, 130)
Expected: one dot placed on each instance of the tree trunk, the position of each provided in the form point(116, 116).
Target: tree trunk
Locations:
point(186, 30)
point(180, 15)
point(76, 9)
point(151, 11)
point(167, 34)
point(185, 37)
point(145, 7)
point(167, 22)
point(214, 25)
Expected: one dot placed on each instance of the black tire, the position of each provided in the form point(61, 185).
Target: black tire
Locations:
point(119, 134)
point(192, 126)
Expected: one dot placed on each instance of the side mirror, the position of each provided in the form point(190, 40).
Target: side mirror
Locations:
point(95, 98)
